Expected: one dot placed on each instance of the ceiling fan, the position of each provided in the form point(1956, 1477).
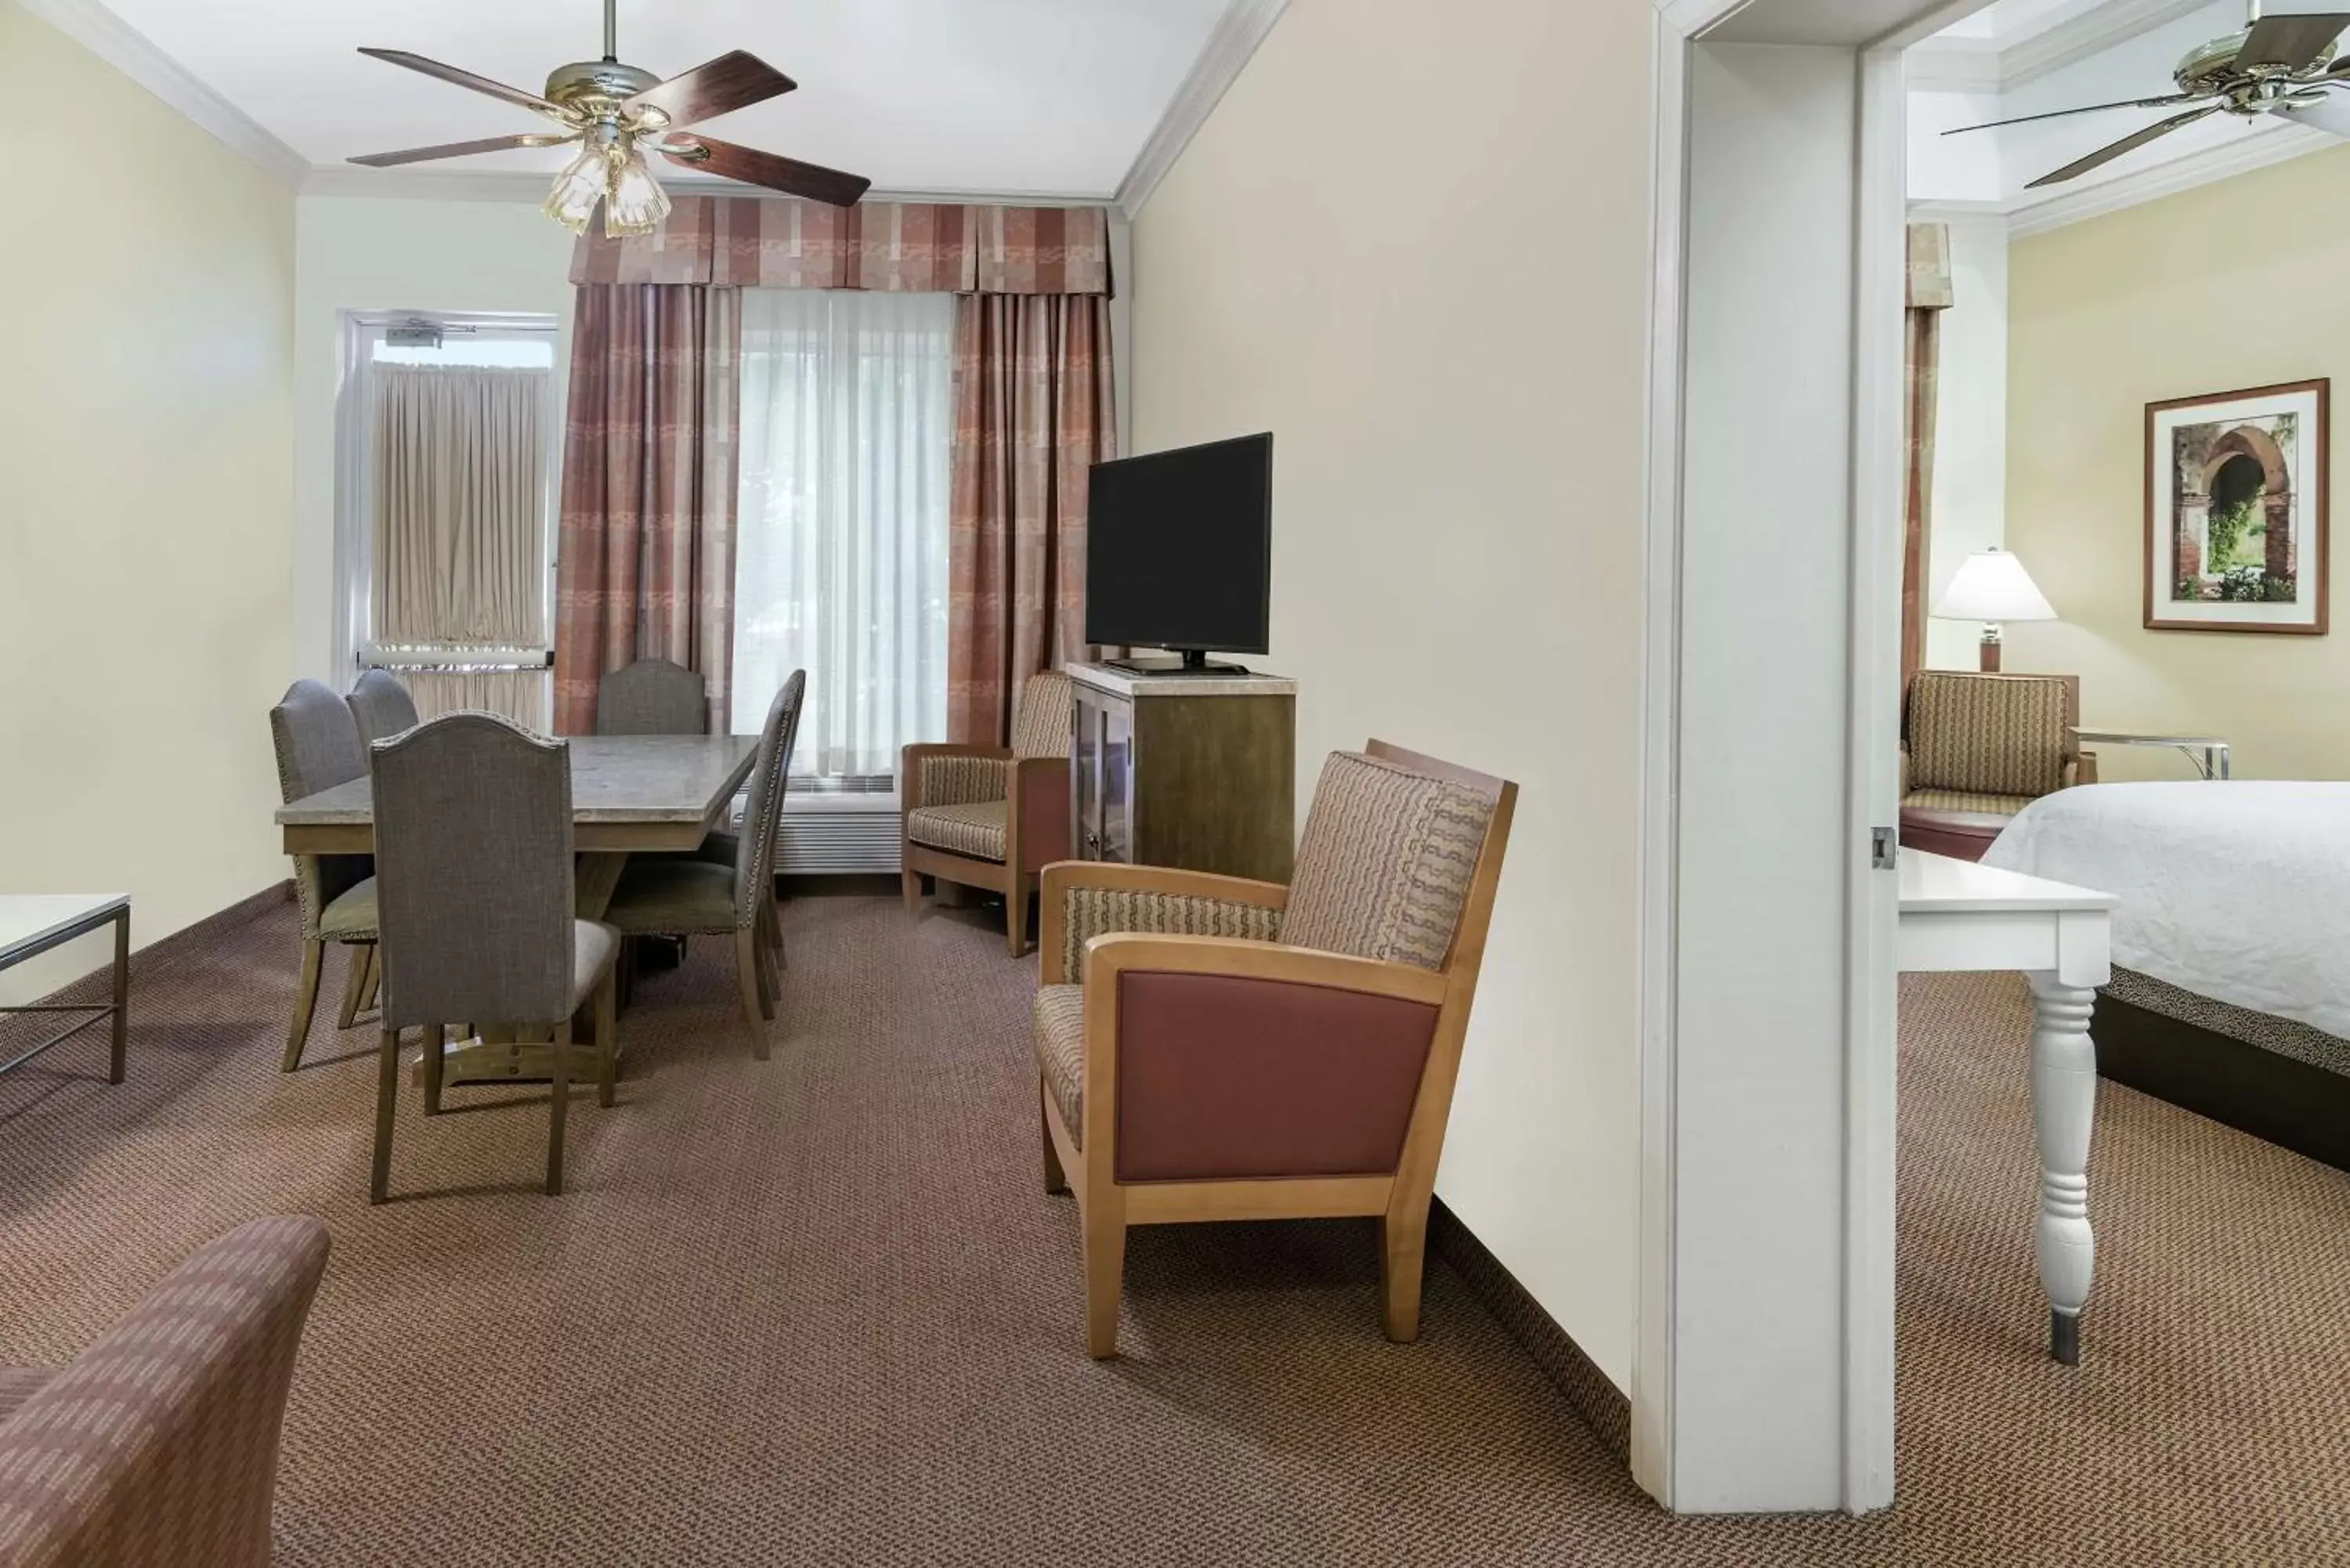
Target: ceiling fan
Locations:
point(2280, 66)
point(619, 113)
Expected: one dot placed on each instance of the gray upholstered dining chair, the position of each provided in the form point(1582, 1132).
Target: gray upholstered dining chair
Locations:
point(652, 697)
point(317, 745)
point(685, 895)
point(473, 856)
point(382, 707)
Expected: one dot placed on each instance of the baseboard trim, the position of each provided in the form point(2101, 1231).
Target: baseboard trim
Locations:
point(187, 940)
point(1605, 1407)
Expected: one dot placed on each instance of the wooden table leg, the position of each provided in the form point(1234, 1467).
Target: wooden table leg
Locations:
point(508, 1053)
point(2063, 1107)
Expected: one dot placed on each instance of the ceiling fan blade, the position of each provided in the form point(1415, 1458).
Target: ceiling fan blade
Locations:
point(2293, 42)
point(731, 81)
point(754, 167)
point(461, 150)
point(2129, 143)
point(467, 79)
point(2163, 102)
point(2327, 113)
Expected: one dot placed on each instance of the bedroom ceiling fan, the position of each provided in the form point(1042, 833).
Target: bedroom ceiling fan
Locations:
point(2280, 66)
point(618, 113)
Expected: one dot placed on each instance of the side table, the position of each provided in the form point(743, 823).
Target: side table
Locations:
point(33, 923)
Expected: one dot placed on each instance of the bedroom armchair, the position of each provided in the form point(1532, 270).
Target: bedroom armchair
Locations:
point(1210, 1048)
point(992, 817)
point(1989, 744)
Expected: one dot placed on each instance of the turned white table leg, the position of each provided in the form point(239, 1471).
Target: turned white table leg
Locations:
point(2063, 1105)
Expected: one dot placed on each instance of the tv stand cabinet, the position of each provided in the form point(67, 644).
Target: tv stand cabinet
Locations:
point(1196, 772)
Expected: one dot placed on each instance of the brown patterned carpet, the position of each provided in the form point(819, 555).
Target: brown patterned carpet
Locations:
point(819, 1310)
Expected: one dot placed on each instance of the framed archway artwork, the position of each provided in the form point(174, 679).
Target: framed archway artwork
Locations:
point(2235, 511)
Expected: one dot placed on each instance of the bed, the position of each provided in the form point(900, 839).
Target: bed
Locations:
point(2230, 994)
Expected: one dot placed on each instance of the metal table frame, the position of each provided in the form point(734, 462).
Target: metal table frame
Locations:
point(2211, 762)
point(118, 912)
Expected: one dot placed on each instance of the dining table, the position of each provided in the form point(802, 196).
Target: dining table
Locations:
point(630, 795)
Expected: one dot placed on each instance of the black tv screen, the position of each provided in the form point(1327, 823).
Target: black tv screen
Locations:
point(1179, 548)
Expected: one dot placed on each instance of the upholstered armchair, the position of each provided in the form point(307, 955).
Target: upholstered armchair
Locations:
point(1210, 1048)
point(992, 817)
point(158, 1445)
point(1989, 744)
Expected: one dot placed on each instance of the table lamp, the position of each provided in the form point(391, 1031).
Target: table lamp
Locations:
point(1991, 587)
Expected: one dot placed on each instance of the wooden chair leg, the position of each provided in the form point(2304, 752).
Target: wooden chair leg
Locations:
point(306, 1003)
point(911, 884)
point(436, 1038)
point(1015, 916)
point(607, 1037)
point(374, 994)
point(1403, 1255)
point(387, 1096)
point(354, 982)
point(755, 1008)
point(1056, 1178)
point(558, 1106)
point(1104, 1227)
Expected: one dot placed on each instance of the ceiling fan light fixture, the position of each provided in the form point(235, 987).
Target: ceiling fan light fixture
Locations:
point(582, 184)
point(635, 203)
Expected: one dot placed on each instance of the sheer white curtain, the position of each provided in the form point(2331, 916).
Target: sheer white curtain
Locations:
point(841, 548)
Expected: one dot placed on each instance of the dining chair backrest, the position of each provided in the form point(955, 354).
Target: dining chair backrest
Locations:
point(381, 706)
point(473, 884)
point(755, 847)
point(652, 697)
point(317, 738)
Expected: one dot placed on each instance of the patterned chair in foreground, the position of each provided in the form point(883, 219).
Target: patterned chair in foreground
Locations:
point(993, 817)
point(1210, 1048)
point(158, 1446)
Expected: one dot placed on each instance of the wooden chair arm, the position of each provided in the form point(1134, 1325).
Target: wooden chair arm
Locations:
point(1036, 812)
point(1108, 956)
point(1063, 877)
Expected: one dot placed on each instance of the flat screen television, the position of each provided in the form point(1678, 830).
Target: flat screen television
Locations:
point(1179, 551)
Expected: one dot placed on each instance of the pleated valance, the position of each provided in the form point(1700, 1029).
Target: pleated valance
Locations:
point(1929, 266)
point(914, 247)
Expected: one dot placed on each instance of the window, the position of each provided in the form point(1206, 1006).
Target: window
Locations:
point(841, 532)
point(445, 468)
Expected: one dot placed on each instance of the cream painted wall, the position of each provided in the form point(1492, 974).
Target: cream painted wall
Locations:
point(1435, 297)
point(1970, 430)
point(145, 501)
point(2230, 284)
point(371, 253)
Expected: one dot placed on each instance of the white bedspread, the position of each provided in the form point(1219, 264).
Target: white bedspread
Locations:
point(2237, 891)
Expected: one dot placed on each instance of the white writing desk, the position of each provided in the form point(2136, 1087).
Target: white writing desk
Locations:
point(1960, 916)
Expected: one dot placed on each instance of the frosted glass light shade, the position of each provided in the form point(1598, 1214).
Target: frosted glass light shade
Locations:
point(1991, 585)
point(578, 189)
point(636, 203)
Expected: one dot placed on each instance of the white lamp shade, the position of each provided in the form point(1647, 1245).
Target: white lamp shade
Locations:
point(1991, 585)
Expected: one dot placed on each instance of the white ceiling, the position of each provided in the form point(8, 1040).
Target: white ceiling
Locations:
point(1007, 97)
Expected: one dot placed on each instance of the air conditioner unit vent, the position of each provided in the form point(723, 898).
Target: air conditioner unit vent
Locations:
point(837, 833)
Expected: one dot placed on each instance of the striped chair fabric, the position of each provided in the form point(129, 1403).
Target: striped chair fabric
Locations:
point(1986, 736)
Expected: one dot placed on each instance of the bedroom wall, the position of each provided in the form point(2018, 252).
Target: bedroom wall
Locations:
point(146, 446)
point(2235, 284)
point(1450, 359)
point(1969, 429)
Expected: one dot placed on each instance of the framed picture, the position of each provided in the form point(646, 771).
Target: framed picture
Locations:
point(2235, 511)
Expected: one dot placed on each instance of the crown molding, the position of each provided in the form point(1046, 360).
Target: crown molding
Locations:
point(2019, 217)
point(1982, 64)
point(2229, 158)
point(128, 50)
point(529, 185)
point(1238, 31)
